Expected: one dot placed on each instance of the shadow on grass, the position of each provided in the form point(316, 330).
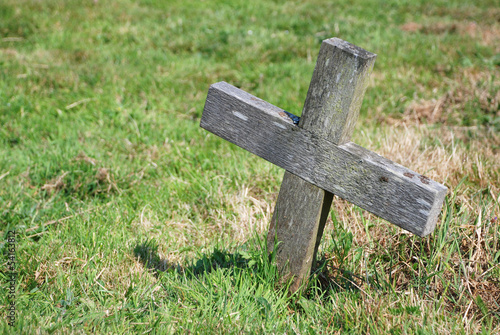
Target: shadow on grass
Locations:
point(147, 253)
point(325, 279)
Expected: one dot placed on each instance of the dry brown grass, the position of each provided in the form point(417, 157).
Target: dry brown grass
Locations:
point(471, 89)
point(474, 234)
point(99, 180)
point(486, 34)
point(55, 184)
point(238, 216)
point(440, 154)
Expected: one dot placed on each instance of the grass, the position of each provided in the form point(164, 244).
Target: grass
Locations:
point(132, 219)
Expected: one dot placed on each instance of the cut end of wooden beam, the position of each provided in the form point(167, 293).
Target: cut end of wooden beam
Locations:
point(434, 211)
point(350, 48)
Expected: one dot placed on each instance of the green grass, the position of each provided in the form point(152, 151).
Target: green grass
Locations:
point(132, 219)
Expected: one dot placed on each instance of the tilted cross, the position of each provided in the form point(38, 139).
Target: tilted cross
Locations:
point(319, 159)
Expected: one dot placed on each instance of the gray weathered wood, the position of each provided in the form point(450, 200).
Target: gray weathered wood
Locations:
point(299, 212)
point(386, 189)
point(330, 111)
point(336, 90)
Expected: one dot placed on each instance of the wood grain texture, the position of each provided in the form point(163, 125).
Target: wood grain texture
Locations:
point(330, 110)
point(386, 189)
point(295, 224)
point(336, 91)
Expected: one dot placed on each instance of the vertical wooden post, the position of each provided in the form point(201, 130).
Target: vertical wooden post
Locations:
point(331, 109)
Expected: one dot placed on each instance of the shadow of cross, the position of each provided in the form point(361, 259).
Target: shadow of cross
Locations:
point(319, 158)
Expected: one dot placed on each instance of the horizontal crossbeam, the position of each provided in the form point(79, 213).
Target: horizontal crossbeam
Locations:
point(382, 187)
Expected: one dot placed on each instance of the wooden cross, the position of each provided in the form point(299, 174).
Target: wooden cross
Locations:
point(319, 158)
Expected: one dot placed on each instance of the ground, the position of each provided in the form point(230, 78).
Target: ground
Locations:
point(130, 218)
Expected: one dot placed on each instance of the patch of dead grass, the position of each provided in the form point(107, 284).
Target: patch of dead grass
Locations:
point(438, 154)
point(241, 217)
point(486, 34)
point(471, 92)
point(99, 180)
point(55, 184)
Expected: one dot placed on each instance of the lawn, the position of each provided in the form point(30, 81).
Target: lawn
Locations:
point(130, 218)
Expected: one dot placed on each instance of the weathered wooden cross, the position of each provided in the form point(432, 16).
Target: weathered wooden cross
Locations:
point(319, 158)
